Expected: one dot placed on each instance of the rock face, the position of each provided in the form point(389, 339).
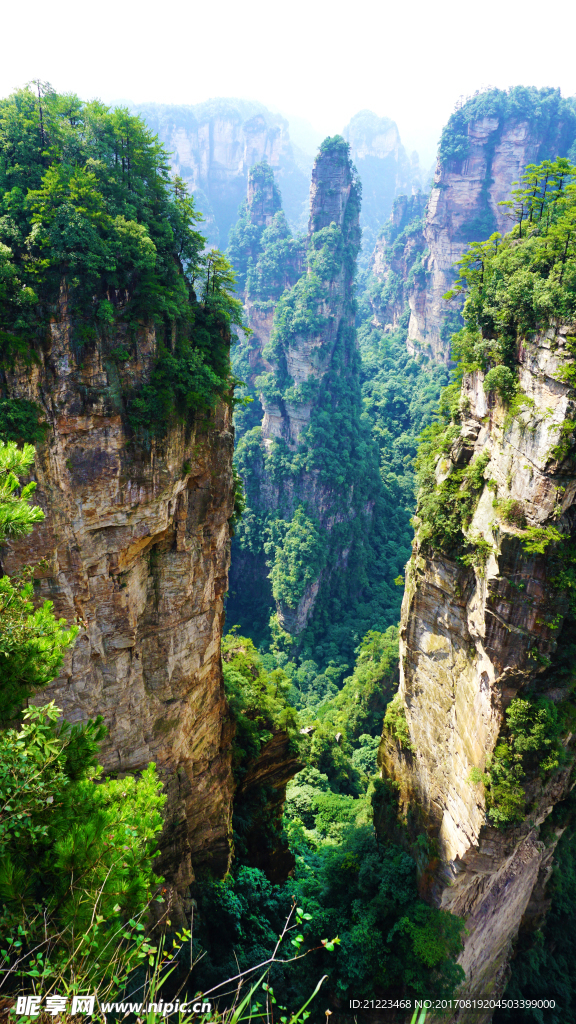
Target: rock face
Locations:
point(397, 258)
point(136, 549)
point(384, 167)
point(473, 639)
point(213, 145)
point(268, 774)
point(485, 148)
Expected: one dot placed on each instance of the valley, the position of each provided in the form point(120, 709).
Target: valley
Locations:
point(295, 568)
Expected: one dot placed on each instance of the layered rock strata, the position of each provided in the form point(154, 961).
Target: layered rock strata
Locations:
point(464, 207)
point(472, 640)
point(135, 546)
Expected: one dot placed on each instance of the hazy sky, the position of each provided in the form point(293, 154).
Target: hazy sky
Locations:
point(316, 60)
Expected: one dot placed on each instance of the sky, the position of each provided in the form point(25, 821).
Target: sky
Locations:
point(315, 60)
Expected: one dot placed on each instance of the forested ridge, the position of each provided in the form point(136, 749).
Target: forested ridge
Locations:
point(95, 231)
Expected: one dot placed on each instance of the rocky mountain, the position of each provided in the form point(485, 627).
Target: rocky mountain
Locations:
point(479, 738)
point(472, 639)
point(485, 146)
point(212, 147)
point(136, 549)
point(313, 491)
point(384, 168)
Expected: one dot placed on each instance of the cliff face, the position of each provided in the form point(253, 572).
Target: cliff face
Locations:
point(396, 259)
point(472, 639)
point(214, 145)
point(463, 207)
point(384, 167)
point(485, 147)
point(136, 550)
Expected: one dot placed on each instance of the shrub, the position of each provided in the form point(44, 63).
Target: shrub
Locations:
point(501, 380)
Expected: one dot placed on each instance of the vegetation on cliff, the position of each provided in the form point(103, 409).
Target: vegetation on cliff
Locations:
point(76, 852)
point(520, 283)
point(553, 117)
point(298, 537)
point(92, 222)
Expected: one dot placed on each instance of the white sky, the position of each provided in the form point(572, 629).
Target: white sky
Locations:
point(318, 60)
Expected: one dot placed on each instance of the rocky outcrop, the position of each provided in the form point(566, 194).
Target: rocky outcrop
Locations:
point(302, 334)
point(384, 167)
point(474, 638)
point(212, 147)
point(135, 546)
point(468, 187)
point(485, 147)
point(396, 259)
point(260, 797)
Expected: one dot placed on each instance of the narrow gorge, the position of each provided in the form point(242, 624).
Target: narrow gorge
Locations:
point(288, 567)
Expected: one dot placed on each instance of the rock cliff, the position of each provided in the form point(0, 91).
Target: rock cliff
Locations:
point(303, 362)
point(477, 632)
point(213, 145)
point(136, 550)
point(485, 147)
point(397, 259)
point(384, 167)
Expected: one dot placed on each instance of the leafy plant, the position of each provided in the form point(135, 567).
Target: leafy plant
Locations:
point(396, 724)
point(75, 857)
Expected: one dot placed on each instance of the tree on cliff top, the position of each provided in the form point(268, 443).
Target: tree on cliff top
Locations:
point(520, 283)
point(553, 118)
point(90, 216)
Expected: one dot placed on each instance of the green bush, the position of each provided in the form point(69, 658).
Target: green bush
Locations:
point(395, 723)
point(530, 745)
point(256, 698)
point(76, 857)
point(501, 380)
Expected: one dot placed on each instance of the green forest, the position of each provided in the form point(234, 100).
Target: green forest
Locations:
point(331, 881)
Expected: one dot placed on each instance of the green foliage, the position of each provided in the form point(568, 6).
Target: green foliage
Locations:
point(300, 556)
point(396, 724)
point(530, 744)
point(501, 380)
point(512, 512)
point(19, 421)
point(75, 856)
point(256, 698)
point(520, 283)
point(363, 518)
point(17, 515)
point(390, 940)
point(264, 255)
point(543, 108)
point(32, 642)
point(445, 510)
point(479, 555)
point(535, 539)
point(400, 397)
point(90, 216)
